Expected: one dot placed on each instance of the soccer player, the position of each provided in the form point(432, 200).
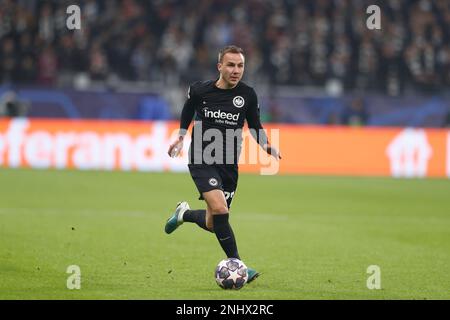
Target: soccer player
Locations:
point(220, 106)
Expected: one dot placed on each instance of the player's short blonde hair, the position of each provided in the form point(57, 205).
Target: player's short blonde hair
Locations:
point(227, 49)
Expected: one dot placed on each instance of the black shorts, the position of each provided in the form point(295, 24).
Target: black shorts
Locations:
point(210, 177)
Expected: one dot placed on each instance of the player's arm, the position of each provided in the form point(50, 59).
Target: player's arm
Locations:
point(186, 117)
point(256, 128)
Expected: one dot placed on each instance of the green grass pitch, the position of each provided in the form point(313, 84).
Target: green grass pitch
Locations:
point(311, 237)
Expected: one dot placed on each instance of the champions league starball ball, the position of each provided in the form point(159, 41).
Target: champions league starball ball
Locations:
point(231, 274)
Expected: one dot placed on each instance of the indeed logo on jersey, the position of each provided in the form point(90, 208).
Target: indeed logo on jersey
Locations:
point(221, 115)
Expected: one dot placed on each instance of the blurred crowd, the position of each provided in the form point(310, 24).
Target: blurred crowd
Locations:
point(307, 43)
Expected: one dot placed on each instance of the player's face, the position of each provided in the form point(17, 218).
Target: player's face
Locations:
point(232, 68)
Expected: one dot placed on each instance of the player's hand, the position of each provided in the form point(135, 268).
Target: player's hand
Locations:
point(176, 147)
point(272, 151)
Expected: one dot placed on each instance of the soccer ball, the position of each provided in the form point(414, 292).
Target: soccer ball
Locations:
point(231, 274)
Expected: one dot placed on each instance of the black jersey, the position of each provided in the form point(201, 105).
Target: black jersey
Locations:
point(220, 110)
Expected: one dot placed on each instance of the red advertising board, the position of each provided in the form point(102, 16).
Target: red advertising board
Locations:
point(142, 146)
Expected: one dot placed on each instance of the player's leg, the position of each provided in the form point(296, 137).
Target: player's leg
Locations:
point(220, 221)
point(209, 218)
point(200, 217)
point(183, 214)
point(229, 176)
point(205, 178)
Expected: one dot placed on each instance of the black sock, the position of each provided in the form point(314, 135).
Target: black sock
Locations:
point(225, 235)
point(196, 216)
